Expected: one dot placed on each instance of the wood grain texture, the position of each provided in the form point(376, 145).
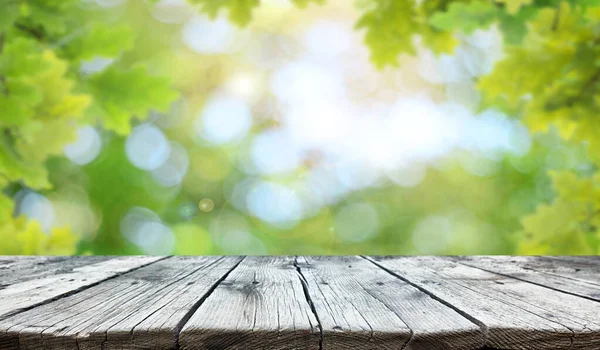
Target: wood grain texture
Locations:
point(281, 303)
point(16, 269)
point(360, 306)
point(33, 291)
point(577, 268)
point(260, 305)
point(581, 259)
point(570, 277)
point(142, 309)
point(517, 314)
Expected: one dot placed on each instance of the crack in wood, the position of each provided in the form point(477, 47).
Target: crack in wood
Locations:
point(309, 300)
point(368, 303)
point(464, 314)
point(197, 305)
point(76, 290)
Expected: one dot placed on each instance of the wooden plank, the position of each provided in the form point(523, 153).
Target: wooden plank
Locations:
point(23, 295)
point(305, 303)
point(16, 269)
point(360, 306)
point(260, 305)
point(517, 314)
point(568, 277)
point(585, 269)
point(582, 259)
point(143, 309)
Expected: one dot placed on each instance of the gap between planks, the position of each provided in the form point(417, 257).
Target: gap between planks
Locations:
point(197, 305)
point(304, 283)
point(184, 319)
point(481, 325)
point(509, 306)
point(188, 315)
point(540, 277)
point(66, 293)
point(307, 295)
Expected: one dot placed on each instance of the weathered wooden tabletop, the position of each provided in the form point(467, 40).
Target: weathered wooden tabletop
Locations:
point(299, 302)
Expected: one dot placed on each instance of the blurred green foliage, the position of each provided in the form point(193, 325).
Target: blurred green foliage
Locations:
point(546, 202)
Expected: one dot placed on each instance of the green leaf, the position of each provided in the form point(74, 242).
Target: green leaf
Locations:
point(514, 6)
point(100, 40)
point(26, 237)
point(466, 17)
point(38, 108)
point(48, 15)
point(304, 3)
point(513, 29)
point(9, 14)
point(586, 3)
point(514, 26)
point(39, 140)
point(56, 88)
point(240, 11)
point(122, 94)
point(390, 30)
point(13, 168)
point(18, 102)
point(13, 112)
point(21, 58)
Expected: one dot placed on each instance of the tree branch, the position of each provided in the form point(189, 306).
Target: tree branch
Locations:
point(36, 33)
point(595, 78)
point(556, 21)
point(2, 76)
point(497, 4)
point(2, 40)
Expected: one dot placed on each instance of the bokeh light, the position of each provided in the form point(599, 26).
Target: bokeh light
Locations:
point(174, 169)
point(206, 205)
point(356, 222)
point(147, 147)
point(286, 138)
point(274, 203)
point(36, 207)
point(224, 120)
point(87, 146)
point(144, 228)
point(211, 36)
point(172, 11)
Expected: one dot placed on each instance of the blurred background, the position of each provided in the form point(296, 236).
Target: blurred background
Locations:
point(286, 139)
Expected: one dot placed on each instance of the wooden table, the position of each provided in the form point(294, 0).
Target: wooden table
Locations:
point(299, 303)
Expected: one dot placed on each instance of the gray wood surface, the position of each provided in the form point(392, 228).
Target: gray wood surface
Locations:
point(570, 277)
point(515, 313)
point(138, 310)
point(260, 305)
point(360, 304)
point(19, 269)
point(284, 302)
point(29, 292)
